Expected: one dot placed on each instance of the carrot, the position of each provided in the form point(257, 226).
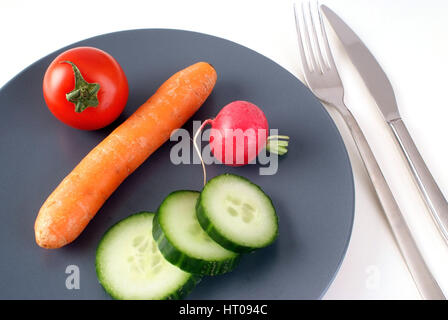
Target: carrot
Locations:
point(76, 200)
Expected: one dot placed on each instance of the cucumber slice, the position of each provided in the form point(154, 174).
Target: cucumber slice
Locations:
point(237, 214)
point(182, 241)
point(130, 266)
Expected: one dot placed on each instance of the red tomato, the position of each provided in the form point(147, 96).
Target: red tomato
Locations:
point(97, 96)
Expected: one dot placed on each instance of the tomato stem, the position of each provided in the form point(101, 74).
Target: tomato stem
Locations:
point(277, 144)
point(85, 94)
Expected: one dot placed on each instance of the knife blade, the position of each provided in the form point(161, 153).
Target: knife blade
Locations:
point(370, 70)
point(382, 92)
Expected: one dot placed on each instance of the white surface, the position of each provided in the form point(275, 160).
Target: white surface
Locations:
point(407, 37)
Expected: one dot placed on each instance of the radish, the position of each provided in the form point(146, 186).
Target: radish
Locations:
point(239, 133)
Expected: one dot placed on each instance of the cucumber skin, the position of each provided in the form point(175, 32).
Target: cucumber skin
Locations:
point(213, 233)
point(209, 228)
point(184, 261)
point(185, 289)
point(180, 293)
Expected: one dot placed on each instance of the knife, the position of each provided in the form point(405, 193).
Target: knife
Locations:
point(381, 90)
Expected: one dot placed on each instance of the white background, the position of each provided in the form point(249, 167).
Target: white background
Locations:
point(409, 39)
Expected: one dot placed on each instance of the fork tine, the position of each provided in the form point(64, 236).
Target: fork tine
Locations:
point(305, 61)
point(328, 53)
point(319, 57)
point(308, 39)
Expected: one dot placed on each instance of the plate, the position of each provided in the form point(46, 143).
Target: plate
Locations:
point(312, 189)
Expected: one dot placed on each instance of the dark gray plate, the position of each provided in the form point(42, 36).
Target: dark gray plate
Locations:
point(313, 190)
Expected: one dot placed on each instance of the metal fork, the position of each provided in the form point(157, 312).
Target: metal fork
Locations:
point(323, 79)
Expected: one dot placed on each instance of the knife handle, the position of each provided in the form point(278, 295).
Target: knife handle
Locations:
point(429, 189)
point(425, 282)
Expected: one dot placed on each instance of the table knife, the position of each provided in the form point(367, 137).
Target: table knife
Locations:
point(381, 89)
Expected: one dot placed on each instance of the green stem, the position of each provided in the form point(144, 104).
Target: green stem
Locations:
point(85, 94)
point(277, 144)
point(276, 137)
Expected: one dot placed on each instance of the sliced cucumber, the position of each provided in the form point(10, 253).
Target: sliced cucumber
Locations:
point(130, 266)
point(182, 241)
point(237, 214)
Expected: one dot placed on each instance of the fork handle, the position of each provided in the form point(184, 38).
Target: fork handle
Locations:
point(425, 282)
point(432, 195)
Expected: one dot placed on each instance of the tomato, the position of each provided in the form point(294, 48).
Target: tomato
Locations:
point(85, 88)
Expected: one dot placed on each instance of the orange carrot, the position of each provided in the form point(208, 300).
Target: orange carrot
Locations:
point(76, 200)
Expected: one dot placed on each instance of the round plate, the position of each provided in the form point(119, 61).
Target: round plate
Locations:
point(312, 190)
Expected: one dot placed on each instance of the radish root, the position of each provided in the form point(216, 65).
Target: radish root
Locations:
point(204, 171)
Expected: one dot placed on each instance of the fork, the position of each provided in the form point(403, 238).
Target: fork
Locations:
point(323, 80)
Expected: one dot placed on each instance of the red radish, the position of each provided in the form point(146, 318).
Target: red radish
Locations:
point(239, 132)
